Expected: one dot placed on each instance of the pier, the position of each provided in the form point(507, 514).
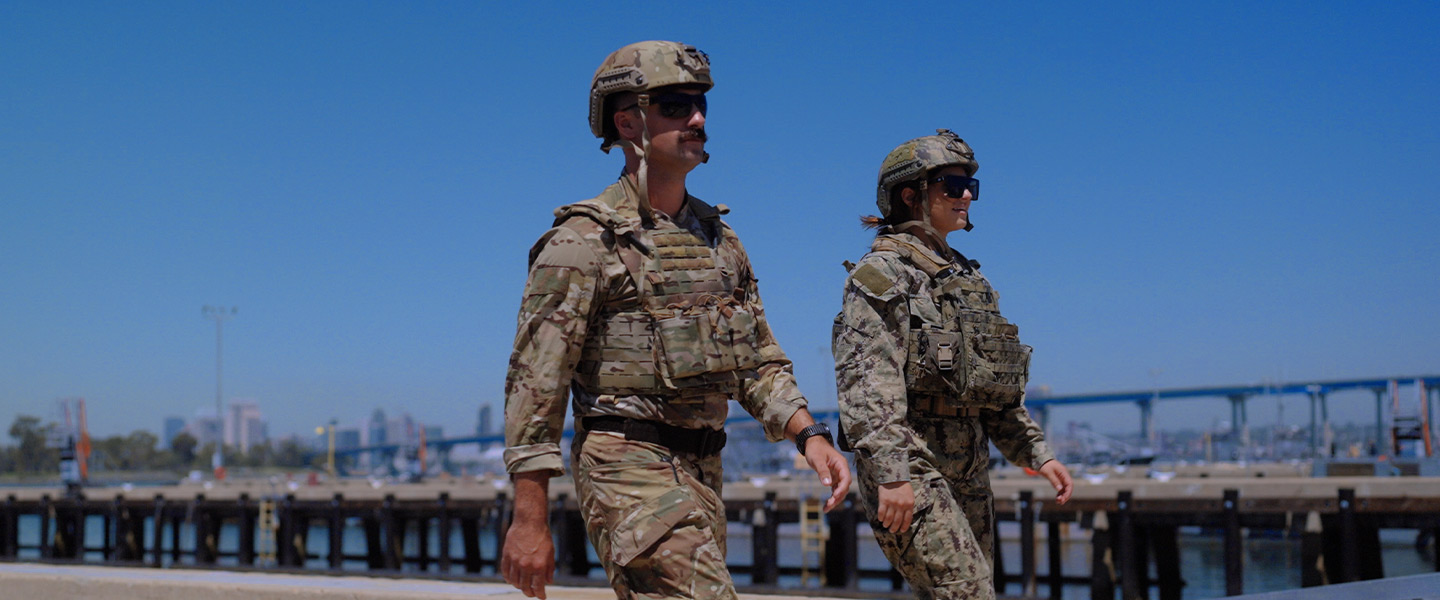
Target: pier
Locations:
point(1131, 523)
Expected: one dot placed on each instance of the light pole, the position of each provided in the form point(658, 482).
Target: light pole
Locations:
point(330, 457)
point(219, 314)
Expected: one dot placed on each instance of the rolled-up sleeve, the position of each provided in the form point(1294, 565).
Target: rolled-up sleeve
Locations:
point(559, 301)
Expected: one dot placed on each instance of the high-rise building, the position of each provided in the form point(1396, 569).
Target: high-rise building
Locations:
point(376, 428)
point(173, 427)
point(206, 427)
point(243, 425)
point(484, 426)
point(347, 438)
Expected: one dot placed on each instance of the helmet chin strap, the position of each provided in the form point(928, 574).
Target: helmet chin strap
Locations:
point(643, 152)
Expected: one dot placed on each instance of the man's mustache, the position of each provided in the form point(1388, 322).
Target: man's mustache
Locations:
point(696, 134)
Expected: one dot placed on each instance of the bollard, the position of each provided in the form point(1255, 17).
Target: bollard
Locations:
point(1131, 573)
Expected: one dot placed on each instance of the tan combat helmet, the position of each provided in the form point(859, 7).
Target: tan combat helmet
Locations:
point(913, 159)
point(639, 68)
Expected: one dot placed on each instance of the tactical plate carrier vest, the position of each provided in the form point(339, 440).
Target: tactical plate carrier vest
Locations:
point(691, 329)
point(972, 358)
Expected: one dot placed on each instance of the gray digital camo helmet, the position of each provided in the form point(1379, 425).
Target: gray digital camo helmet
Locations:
point(912, 160)
point(639, 68)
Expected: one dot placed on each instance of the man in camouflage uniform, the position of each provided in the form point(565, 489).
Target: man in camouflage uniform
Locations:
point(928, 374)
point(642, 305)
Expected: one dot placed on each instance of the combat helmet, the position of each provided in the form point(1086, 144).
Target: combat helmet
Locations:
point(639, 68)
point(913, 159)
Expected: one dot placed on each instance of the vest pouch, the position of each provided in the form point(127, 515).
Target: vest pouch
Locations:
point(936, 362)
point(1001, 366)
point(687, 346)
point(744, 338)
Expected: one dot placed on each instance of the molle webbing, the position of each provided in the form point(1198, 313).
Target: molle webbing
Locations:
point(993, 365)
point(691, 331)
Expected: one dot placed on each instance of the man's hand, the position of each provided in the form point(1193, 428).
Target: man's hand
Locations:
point(897, 506)
point(528, 561)
point(831, 466)
point(1059, 478)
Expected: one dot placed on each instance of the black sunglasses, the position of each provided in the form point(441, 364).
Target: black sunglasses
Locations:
point(955, 186)
point(675, 105)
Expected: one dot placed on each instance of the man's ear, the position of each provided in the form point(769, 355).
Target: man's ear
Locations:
point(627, 124)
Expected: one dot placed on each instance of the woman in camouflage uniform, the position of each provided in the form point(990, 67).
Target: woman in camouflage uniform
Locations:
point(928, 374)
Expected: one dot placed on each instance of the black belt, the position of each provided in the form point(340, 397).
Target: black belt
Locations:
point(702, 442)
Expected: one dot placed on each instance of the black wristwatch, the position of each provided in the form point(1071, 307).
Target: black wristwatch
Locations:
point(805, 434)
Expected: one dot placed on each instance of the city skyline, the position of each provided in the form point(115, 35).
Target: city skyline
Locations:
point(1175, 195)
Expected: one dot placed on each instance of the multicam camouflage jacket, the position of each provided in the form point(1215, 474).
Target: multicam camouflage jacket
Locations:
point(584, 323)
point(888, 298)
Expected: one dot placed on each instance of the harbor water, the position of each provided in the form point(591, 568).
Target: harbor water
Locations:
point(1271, 563)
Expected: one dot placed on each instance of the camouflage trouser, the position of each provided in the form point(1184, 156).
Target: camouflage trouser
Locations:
point(947, 551)
point(654, 517)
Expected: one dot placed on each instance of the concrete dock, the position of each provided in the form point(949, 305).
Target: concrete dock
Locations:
point(72, 582)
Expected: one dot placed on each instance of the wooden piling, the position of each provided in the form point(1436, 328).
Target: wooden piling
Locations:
point(470, 540)
point(391, 527)
point(207, 533)
point(1234, 547)
point(1349, 539)
point(336, 531)
point(763, 543)
point(1027, 543)
point(158, 531)
point(1132, 571)
point(1312, 552)
point(842, 550)
point(374, 548)
point(245, 553)
point(1102, 559)
point(443, 530)
point(997, 562)
point(46, 512)
point(9, 529)
point(1056, 577)
point(1165, 541)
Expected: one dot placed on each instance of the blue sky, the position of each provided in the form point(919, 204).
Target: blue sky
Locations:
point(1225, 192)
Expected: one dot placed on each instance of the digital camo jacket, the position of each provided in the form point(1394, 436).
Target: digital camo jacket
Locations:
point(580, 288)
point(886, 296)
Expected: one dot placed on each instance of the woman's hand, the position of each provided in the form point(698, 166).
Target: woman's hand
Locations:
point(1059, 477)
point(897, 505)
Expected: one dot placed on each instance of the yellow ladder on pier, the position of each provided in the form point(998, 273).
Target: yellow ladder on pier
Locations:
point(265, 546)
point(814, 532)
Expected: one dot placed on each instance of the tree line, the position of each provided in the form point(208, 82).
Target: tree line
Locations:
point(31, 454)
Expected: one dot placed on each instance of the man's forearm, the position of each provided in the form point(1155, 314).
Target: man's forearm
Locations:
point(798, 421)
point(532, 502)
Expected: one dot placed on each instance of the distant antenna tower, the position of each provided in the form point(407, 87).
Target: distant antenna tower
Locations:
point(219, 314)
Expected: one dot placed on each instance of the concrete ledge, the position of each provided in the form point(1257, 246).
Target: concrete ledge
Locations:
point(67, 582)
